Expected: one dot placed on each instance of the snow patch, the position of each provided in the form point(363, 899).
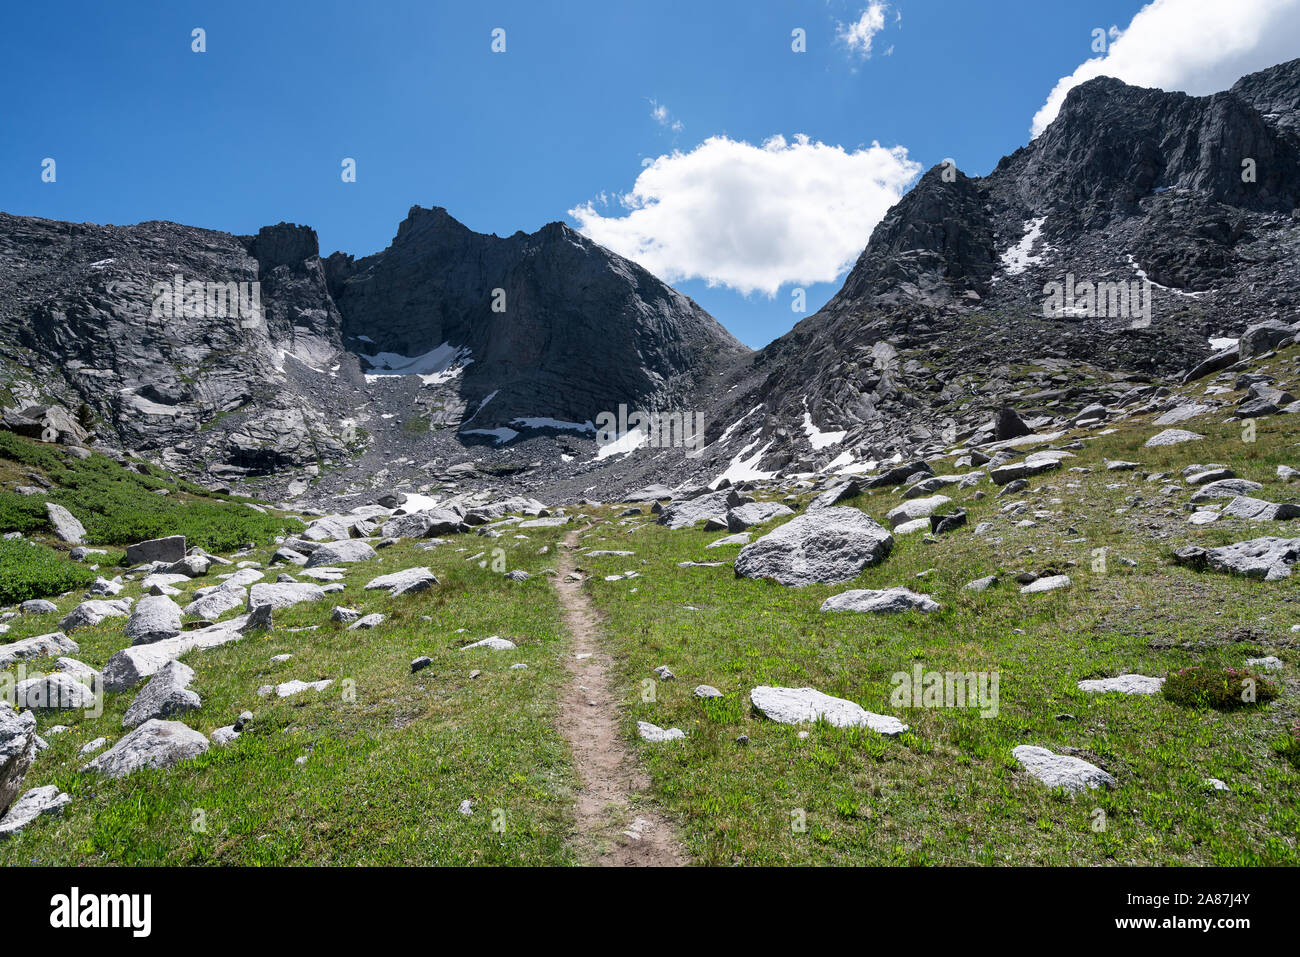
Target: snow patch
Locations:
point(1019, 257)
point(502, 435)
point(1142, 274)
point(744, 469)
point(542, 422)
point(625, 444)
point(490, 396)
point(816, 437)
point(439, 365)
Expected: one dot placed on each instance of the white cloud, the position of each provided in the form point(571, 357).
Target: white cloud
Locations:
point(753, 217)
point(858, 35)
point(1195, 46)
point(663, 117)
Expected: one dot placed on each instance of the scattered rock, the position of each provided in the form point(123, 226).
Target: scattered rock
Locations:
point(1225, 488)
point(1060, 770)
point(153, 619)
point(1269, 559)
point(746, 516)
point(915, 508)
point(128, 667)
point(657, 735)
point(54, 692)
point(1124, 684)
point(880, 601)
point(341, 552)
point(154, 744)
point(495, 643)
point(1269, 663)
point(17, 751)
point(288, 689)
point(39, 646)
point(800, 705)
point(260, 618)
point(942, 524)
point(165, 696)
point(169, 549)
point(1050, 583)
point(215, 602)
point(65, 524)
point(730, 540)
point(224, 736)
point(91, 613)
point(407, 581)
point(35, 803)
point(1171, 437)
point(1258, 510)
point(279, 595)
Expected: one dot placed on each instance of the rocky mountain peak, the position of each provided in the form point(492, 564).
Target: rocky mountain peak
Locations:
point(284, 244)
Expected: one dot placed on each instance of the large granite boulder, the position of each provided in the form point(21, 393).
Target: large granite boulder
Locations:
point(166, 695)
point(743, 517)
point(153, 618)
point(880, 601)
point(65, 524)
point(1061, 770)
point(154, 744)
point(828, 546)
point(1269, 558)
point(283, 594)
point(169, 549)
point(334, 553)
point(17, 751)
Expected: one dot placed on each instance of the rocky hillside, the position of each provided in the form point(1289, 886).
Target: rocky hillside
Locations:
point(941, 322)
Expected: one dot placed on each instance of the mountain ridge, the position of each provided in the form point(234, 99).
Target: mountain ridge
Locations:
point(453, 358)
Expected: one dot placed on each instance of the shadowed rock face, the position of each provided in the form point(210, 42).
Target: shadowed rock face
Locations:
point(573, 331)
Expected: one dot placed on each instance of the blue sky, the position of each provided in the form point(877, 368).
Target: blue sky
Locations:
point(254, 130)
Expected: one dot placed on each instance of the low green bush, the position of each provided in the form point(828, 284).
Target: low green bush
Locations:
point(22, 513)
point(119, 505)
point(1223, 688)
point(28, 570)
point(1289, 747)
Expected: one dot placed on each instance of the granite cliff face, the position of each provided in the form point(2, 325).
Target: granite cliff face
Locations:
point(393, 363)
point(549, 325)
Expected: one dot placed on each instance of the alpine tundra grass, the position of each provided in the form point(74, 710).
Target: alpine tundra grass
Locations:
point(389, 755)
point(948, 791)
